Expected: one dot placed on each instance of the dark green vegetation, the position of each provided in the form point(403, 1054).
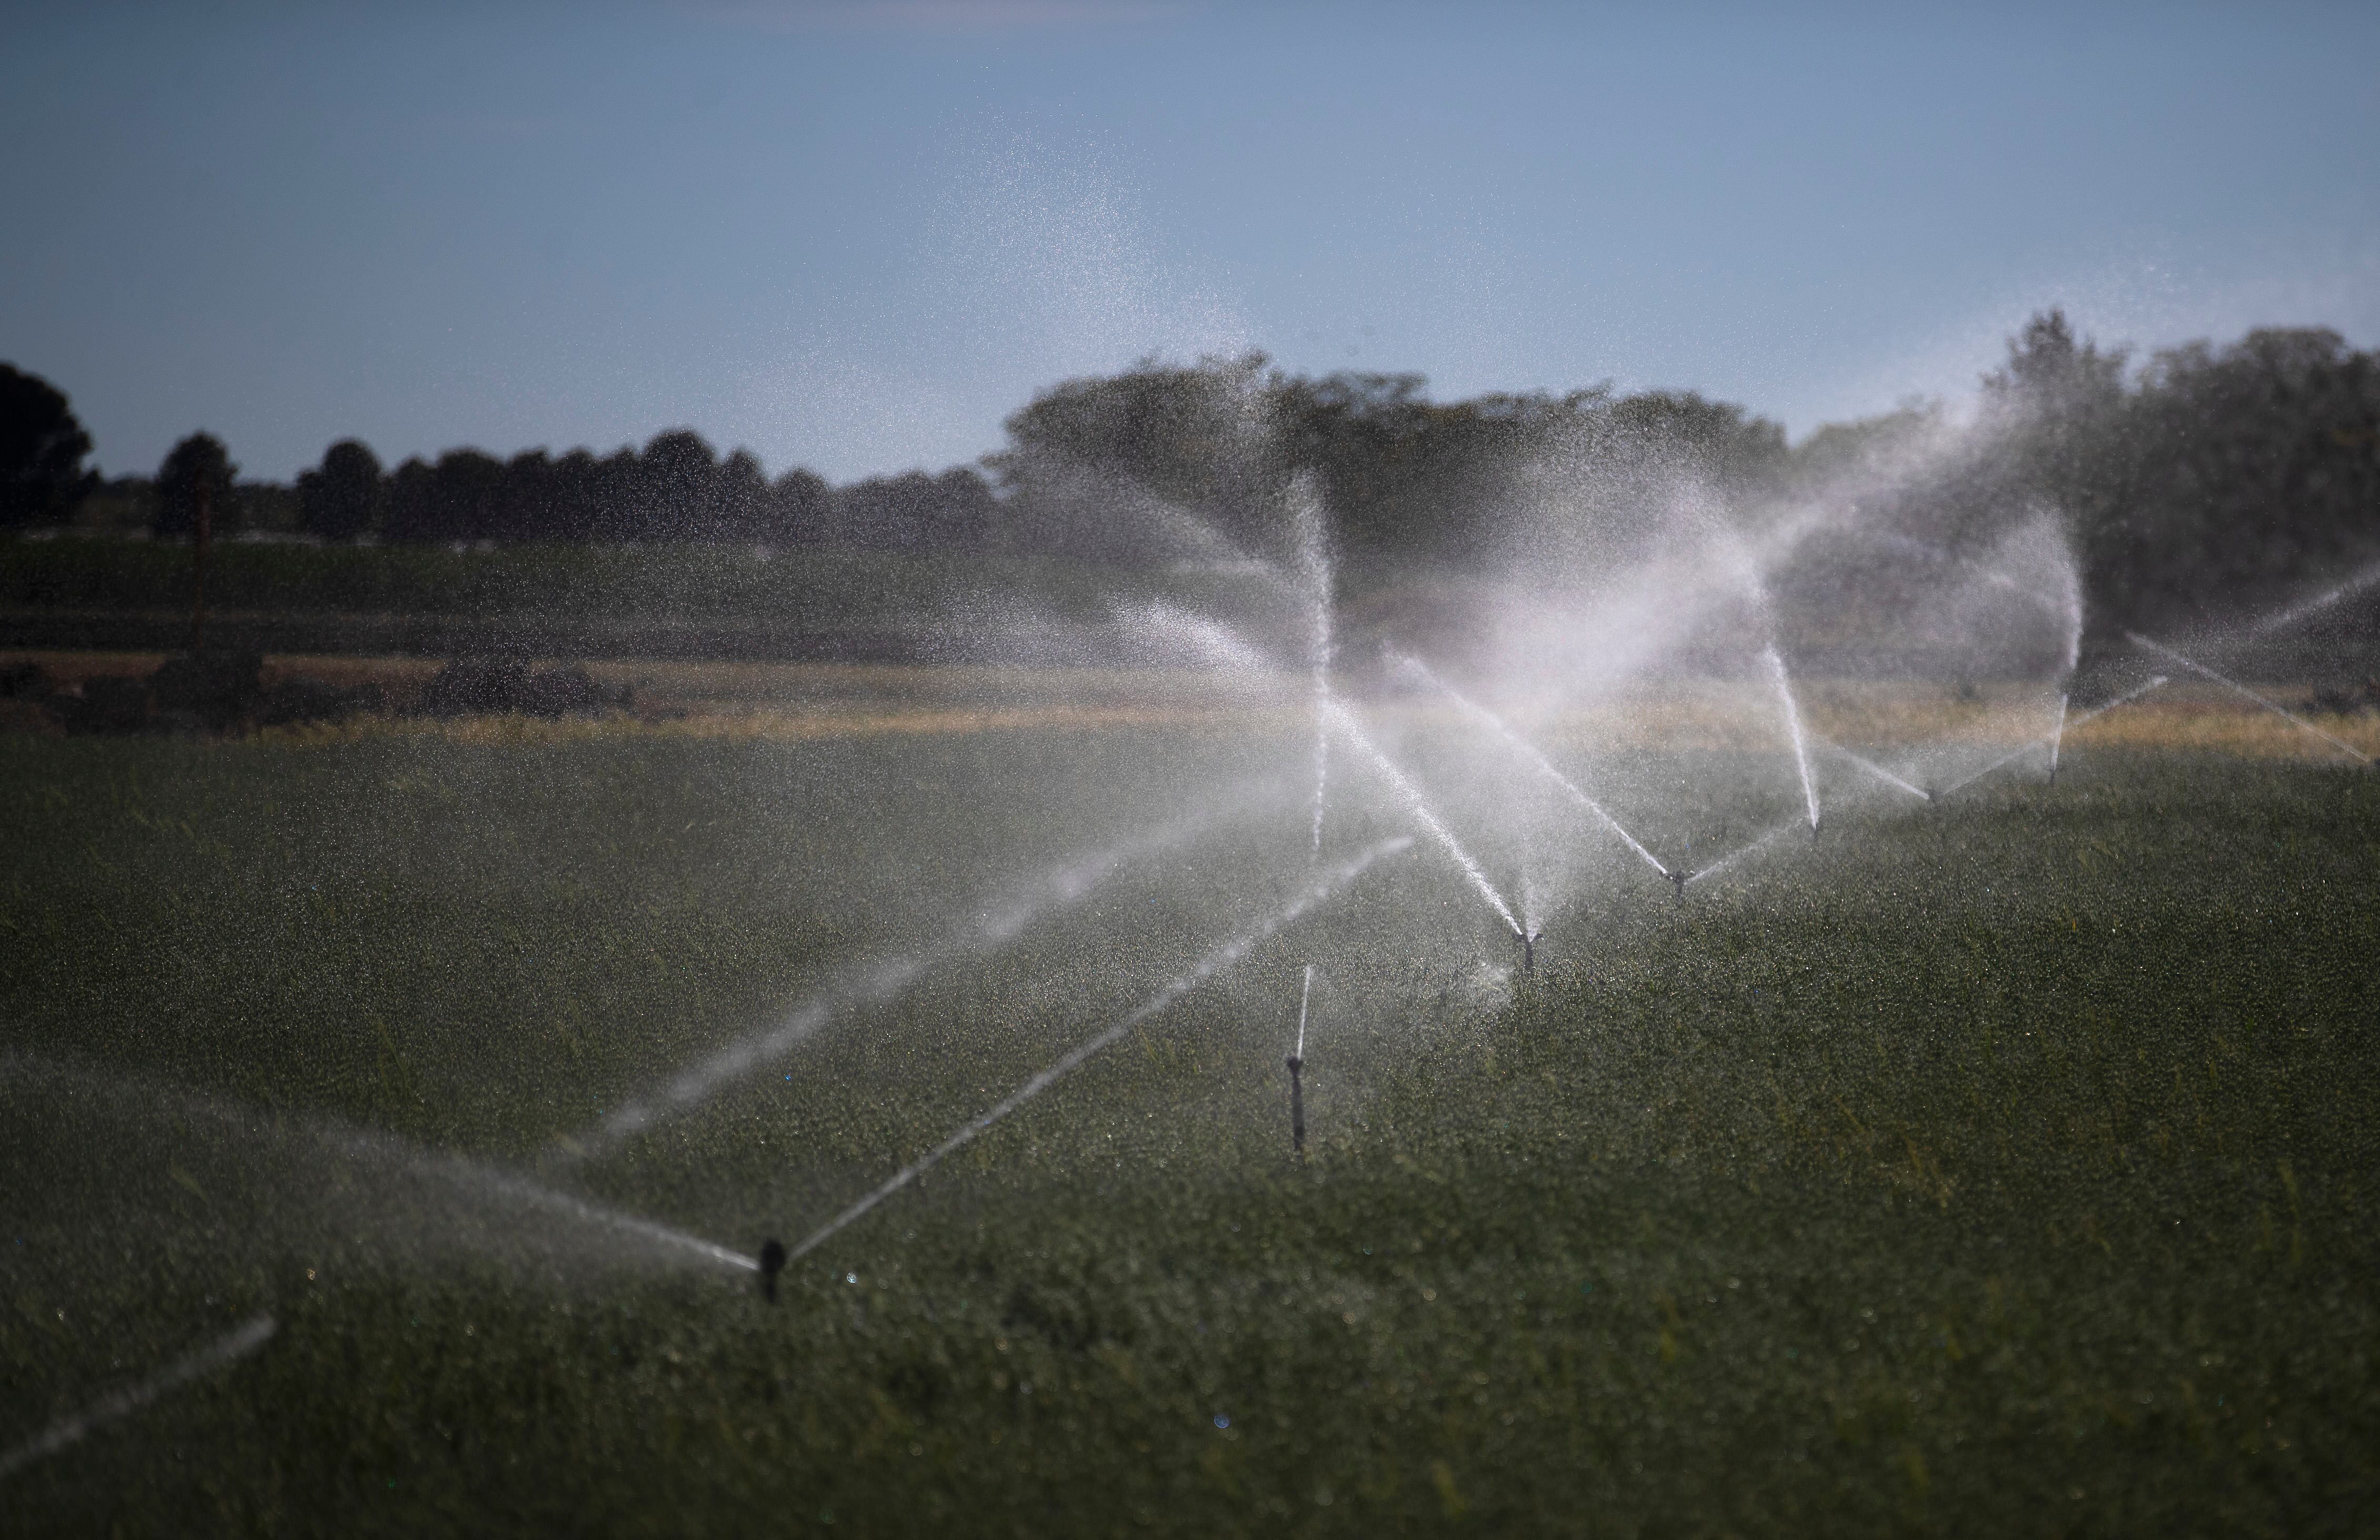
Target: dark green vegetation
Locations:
point(2202, 486)
point(2008, 1167)
point(696, 599)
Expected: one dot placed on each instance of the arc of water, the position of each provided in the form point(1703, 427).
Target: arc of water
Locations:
point(1419, 806)
point(2058, 733)
point(1314, 554)
point(1304, 997)
point(2319, 602)
point(1738, 854)
point(2230, 683)
point(2067, 723)
point(224, 1351)
point(1215, 962)
point(1529, 752)
point(1060, 888)
point(1871, 767)
point(389, 1151)
point(1794, 724)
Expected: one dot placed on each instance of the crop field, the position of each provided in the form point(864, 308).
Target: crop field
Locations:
point(2007, 1163)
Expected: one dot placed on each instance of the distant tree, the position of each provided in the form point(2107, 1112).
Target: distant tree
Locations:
point(678, 477)
point(798, 506)
point(41, 451)
point(739, 499)
point(916, 511)
point(2237, 477)
point(341, 498)
point(197, 461)
point(457, 499)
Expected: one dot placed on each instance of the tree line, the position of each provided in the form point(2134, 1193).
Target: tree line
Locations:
point(2202, 477)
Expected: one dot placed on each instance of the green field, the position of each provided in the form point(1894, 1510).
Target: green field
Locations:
point(2008, 1166)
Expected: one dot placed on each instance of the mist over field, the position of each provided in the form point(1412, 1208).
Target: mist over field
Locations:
point(1278, 948)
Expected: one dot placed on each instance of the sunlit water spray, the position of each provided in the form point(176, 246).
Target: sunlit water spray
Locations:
point(1330, 886)
point(1314, 558)
point(2058, 733)
point(2319, 602)
point(1872, 769)
point(1529, 752)
point(1059, 889)
point(1419, 806)
point(1794, 724)
point(2230, 683)
point(1739, 854)
point(1295, 1064)
point(390, 1154)
point(224, 1351)
point(2067, 723)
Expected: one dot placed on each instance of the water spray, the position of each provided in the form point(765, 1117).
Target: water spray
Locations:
point(1419, 808)
point(2058, 736)
point(2230, 683)
point(1325, 887)
point(862, 987)
point(229, 1349)
point(1296, 1063)
point(1529, 751)
point(2066, 723)
point(1873, 768)
point(1793, 725)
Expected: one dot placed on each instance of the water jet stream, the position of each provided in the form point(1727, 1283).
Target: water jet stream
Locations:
point(1871, 767)
point(1529, 751)
point(1062, 887)
point(1215, 962)
point(2058, 733)
point(1305, 995)
point(1793, 722)
point(389, 1152)
point(228, 1349)
point(1732, 856)
point(2282, 711)
point(1419, 808)
point(2319, 602)
point(2066, 724)
point(1314, 556)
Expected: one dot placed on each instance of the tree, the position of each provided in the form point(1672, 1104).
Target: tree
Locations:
point(41, 450)
point(198, 461)
point(342, 498)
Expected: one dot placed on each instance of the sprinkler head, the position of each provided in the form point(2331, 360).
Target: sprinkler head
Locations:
point(1814, 830)
point(772, 1261)
point(1296, 1107)
point(1528, 955)
point(1678, 881)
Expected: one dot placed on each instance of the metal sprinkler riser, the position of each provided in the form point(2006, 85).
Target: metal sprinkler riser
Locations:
point(1296, 1105)
point(772, 1261)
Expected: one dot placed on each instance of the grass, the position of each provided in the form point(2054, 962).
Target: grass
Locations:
point(2008, 1165)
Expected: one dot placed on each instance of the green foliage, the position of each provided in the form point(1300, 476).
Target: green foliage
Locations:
point(2004, 1167)
point(41, 451)
point(342, 498)
point(197, 468)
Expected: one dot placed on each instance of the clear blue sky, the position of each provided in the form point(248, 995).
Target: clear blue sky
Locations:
point(856, 236)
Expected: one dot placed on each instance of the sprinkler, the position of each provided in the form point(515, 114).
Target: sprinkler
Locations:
point(1813, 830)
point(1529, 954)
point(1296, 1105)
point(772, 1261)
point(1678, 881)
